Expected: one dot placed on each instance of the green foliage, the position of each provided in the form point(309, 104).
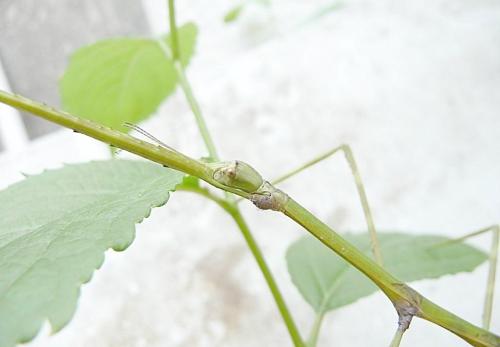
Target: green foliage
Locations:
point(327, 282)
point(55, 228)
point(189, 182)
point(124, 79)
point(233, 14)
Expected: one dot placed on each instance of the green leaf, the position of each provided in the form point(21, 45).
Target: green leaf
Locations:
point(189, 182)
point(187, 42)
point(123, 79)
point(54, 230)
point(327, 282)
point(233, 14)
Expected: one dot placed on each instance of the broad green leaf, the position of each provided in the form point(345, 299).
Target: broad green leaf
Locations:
point(327, 282)
point(124, 79)
point(54, 230)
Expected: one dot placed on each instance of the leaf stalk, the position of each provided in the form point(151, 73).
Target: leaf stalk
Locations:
point(398, 336)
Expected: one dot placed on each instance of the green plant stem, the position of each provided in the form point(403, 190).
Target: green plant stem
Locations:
point(228, 203)
point(186, 87)
point(398, 336)
point(195, 107)
point(236, 215)
point(312, 340)
point(173, 30)
point(397, 291)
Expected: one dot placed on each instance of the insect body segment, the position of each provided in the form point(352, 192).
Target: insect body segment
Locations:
point(237, 174)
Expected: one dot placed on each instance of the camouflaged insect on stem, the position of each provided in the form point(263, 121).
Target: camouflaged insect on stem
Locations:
point(237, 174)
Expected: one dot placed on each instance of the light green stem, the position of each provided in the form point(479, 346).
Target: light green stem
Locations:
point(186, 87)
point(176, 54)
point(398, 292)
point(398, 336)
point(312, 341)
point(235, 213)
point(195, 107)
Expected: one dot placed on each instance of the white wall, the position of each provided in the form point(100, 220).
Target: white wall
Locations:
point(413, 86)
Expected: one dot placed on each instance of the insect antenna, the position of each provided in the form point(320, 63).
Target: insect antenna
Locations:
point(148, 135)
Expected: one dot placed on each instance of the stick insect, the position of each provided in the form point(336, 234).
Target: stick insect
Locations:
point(494, 229)
point(349, 156)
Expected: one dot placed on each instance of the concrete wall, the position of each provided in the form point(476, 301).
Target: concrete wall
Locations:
point(36, 38)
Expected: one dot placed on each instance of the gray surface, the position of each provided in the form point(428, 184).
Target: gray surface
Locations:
point(36, 38)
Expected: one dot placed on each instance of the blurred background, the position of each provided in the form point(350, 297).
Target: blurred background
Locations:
point(412, 86)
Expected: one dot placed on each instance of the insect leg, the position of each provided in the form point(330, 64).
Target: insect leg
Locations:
point(359, 186)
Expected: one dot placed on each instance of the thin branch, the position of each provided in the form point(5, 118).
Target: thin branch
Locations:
point(236, 215)
point(186, 86)
point(173, 30)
